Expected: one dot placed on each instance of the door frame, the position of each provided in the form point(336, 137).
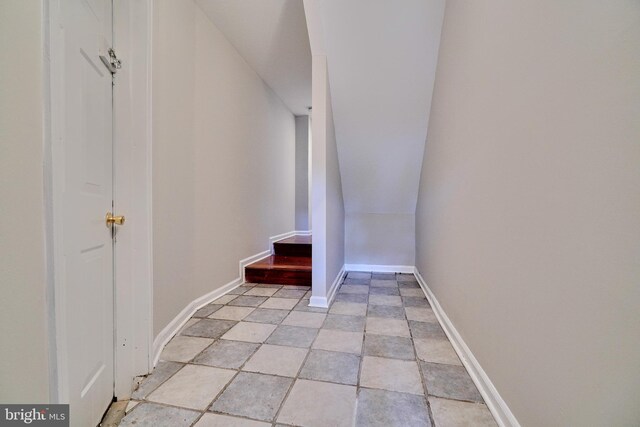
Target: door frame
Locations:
point(133, 275)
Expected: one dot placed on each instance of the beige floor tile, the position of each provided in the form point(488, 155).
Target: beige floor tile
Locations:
point(391, 374)
point(230, 312)
point(192, 387)
point(262, 292)
point(421, 314)
point(276, 360)
point(225, 299)
point(386, 326)
point(411, 292)
point(250, 332)
point(319, 404)
point(436, 351)
point(162, 372)
point(453, 413)
point(348, 308)
point(385, 300)
point(305, 319)
point(280, 303)
point(354, 289)
point(217, 420)
point(358, 275)
point(155, 414)
point(183, 349)
point(376, 283)
point(343, 341)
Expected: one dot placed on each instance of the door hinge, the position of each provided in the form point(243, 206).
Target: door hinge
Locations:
point(112, 63)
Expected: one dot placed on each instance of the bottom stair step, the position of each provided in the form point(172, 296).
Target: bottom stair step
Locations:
point(280, 270)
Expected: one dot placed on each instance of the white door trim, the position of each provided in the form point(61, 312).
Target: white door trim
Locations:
point(133, 192)
point(133, 141)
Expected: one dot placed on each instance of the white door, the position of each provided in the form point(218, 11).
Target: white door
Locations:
point(86, 301)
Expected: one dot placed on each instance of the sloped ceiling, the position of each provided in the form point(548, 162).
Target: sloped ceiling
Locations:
point(271, 35)
point(381, 59)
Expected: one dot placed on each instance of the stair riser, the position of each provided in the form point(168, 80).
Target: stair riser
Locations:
point(279, 277)
point(292, 249)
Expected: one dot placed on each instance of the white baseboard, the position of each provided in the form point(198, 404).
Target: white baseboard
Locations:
point(179, 321)
point(282, 236)
point(251, 260)
point(498, 407)
point(324, 302)
point(320, 302)
point(335, 285)
point(380, 268)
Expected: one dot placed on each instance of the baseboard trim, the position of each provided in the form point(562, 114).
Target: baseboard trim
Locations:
point(331, 295)
point(319, 302)
point(250, 260)
point(496, 404)
point(324, 302)
point(181, 319)
point(380, 268)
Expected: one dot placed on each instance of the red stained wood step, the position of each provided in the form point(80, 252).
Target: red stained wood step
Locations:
point(280, 270)
point(295, 246)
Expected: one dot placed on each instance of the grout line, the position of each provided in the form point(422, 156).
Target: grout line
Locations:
point(309, 349)
point(166, 379)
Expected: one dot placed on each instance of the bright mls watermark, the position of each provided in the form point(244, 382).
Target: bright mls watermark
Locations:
point(34, 415)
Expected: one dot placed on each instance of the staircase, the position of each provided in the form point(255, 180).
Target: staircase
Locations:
point(289, 265)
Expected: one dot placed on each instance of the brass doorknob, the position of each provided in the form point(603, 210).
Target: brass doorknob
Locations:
point(118, 220)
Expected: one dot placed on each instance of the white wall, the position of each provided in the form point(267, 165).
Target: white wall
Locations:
point(223, 160)
point(335, 201)
point(381, 72)
point(380, 239)
point(24, 369)
point(528, 220)
point(272, 37)
point(327, 201)
point(302, 173)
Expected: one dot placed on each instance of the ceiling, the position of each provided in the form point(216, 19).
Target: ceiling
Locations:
point(381, 58)
point(271, 35)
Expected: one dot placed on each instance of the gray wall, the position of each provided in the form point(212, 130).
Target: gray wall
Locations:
point(302, 173)
point(528, 219)
point(24, 369)
point(223, 160)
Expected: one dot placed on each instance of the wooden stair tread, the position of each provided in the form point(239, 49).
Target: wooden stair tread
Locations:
point(289, 265)
point(280, 270)
point(280, 262)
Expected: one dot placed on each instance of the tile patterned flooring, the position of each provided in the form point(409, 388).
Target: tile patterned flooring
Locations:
point(259, 356)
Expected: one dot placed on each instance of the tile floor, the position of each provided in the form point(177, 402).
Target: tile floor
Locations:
point(259, 356)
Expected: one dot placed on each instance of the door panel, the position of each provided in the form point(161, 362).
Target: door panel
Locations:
point(87, 278)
